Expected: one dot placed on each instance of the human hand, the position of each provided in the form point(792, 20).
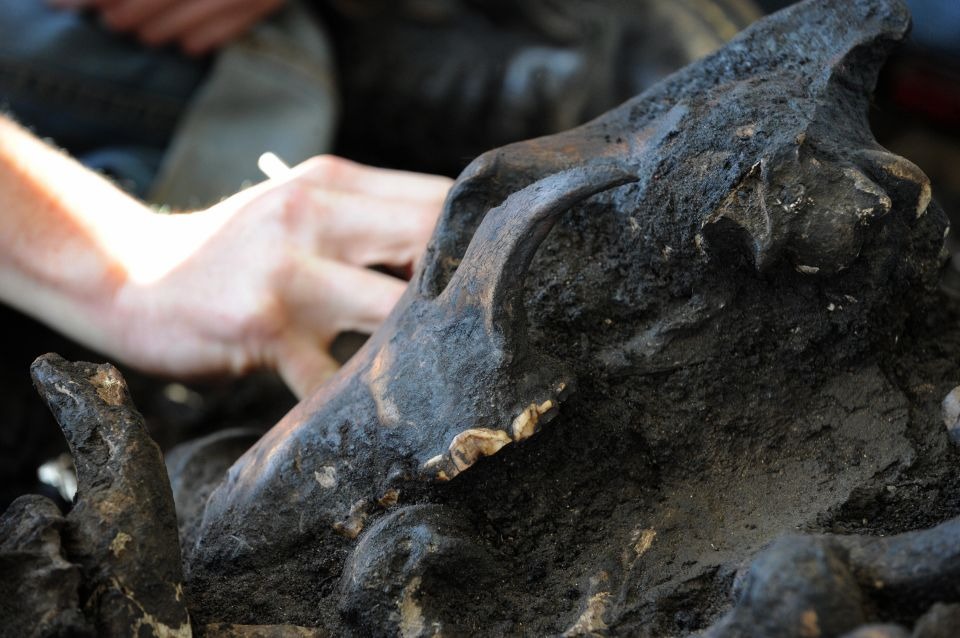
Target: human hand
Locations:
point(198, 26)
point(271, 275)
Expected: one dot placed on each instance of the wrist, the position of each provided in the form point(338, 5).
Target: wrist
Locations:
point(161, 316)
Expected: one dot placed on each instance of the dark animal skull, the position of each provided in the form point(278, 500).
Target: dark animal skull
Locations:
point(450, 378)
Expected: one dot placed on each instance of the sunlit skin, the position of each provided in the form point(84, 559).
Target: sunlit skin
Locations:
point(197, 26)
point(266, 278)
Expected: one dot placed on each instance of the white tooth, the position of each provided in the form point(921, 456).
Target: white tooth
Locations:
point(903, 168)
point(468, 446)
point(526, 422)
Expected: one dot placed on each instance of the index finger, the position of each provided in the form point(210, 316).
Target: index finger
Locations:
point(339, 174)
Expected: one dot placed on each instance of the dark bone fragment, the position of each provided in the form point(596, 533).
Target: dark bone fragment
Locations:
point(39, 587)
point(122, 529)
point(195, 467)
point(940, 621)
point(825, 585)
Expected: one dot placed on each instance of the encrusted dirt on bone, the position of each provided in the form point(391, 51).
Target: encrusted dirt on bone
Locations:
point(841, 456)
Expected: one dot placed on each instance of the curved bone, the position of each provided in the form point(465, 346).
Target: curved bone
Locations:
point(499, 254)
point(123, 528)
point(495, 175)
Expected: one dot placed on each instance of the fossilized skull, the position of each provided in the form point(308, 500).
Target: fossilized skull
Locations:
point(751, 172)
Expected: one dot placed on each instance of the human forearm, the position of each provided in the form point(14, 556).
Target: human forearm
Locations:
point(66, 235)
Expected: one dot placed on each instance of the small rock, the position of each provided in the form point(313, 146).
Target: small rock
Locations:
point(950, 408)
point(940, 621)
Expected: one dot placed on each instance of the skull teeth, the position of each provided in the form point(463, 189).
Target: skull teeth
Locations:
point(468, 446)
point(525, 424)
point(471, 445)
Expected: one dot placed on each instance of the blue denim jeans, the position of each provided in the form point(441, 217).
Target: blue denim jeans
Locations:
point(106, 99)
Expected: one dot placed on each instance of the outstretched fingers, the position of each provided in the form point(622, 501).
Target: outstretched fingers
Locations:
point(336, 173)
point(360, 215)
point(363, 230)
point(323, 292)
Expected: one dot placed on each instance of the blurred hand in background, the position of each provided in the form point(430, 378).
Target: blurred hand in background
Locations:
point(197, 26)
